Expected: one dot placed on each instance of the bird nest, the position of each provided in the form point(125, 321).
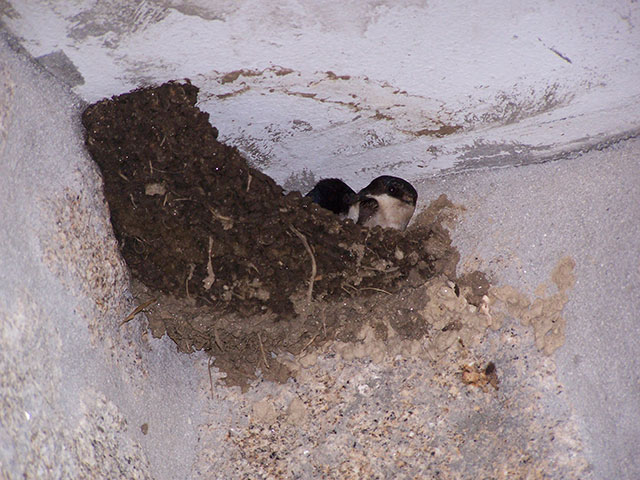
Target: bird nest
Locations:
point(227, 260)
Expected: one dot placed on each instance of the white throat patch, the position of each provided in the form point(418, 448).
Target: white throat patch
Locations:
point(392, 213)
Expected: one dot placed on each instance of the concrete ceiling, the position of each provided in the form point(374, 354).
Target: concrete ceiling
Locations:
point(359, 88)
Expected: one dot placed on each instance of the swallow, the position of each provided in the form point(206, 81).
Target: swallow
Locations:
point(333, 194)
point(387, 201)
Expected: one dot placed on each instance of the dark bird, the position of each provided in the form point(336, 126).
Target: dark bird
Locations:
point(333, 194)
point(387, 201)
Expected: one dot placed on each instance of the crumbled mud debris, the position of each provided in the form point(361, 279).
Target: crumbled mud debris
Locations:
point(472, 374)
point(544, 313)
point(221, 247)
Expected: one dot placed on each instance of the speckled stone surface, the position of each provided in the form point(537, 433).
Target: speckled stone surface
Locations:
point(403, 416)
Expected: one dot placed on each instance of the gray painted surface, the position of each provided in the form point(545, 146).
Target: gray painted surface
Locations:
point(361, 88)
point(519, 222)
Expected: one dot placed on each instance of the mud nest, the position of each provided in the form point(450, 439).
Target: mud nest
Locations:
point(222, 243)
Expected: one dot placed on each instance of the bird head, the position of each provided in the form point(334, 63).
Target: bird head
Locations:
point(394, 187)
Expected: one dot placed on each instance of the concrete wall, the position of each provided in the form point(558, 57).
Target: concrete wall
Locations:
point(75, 387)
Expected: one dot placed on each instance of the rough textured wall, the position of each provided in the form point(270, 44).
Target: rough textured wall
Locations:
point(74, 385)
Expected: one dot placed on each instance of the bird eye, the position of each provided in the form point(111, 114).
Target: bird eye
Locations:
point(392, 189)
